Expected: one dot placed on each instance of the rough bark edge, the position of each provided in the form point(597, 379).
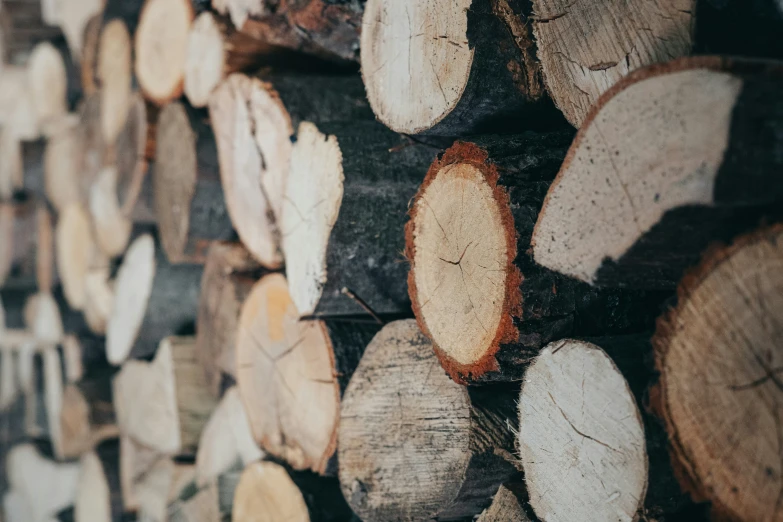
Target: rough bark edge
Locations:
point(469, 153)
point(666, 327)
point(739, 66)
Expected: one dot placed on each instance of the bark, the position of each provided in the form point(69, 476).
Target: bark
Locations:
point(719, 24)
point(401, 411)
point(291, 375)
point(136, 326)
point(269, 492)
point(323, 28)
point(660, 223)
point(702, 368)
point(475, 67)
point(229, 276)
point(500, 308)
point(189, 202)
point(349, 234)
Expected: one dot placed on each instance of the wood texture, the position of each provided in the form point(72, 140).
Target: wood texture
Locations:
point(508, 505)
point(401, 412)
point(716, 352)
point(643, 226)
point(476, 292)
point(189, 202)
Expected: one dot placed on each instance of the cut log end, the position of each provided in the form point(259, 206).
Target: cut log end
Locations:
point(75, 246)
point(205, 63)
point(133, 287)
point(253, 131)
point(48, 83)
point(112, 227)
point(461, 242)
point(286, 379)
point(507, 506)
point(424, 430)
point(114, 73)
point(314, 193)
point(93, 497)
point(590, 219)
point(578, 69)
point(266, 493)
point(412, 91)
point(719, 396)
point(581, 439)
point(161, 44)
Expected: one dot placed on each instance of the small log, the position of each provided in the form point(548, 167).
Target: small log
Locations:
point(134, 150)
point(189, 202)
point(575, 396)
point(225, 440)
point(46, 487)
point(401, 411)
point(216, 50)
point(476, 292)
point(161, 41)
point(473, 64)
point(291, 375)
point(75, 247)
point(267, 493)
point(112, 228)
point(584, 50)
point(254, 121)
point(95, 153)
point(152, 300)
point(653, 217)
point(48, 80)
point(17, 106)
point(62, 167)
point(99, 494)
point(508, 505)
point(349, 184)
point(164, 404)
point(717, 397)
point(229, 275)
point(114, 74)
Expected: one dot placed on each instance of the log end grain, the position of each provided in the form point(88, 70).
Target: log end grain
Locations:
point(266, 493)
point(461, 242)
point(48, 83)
point(160, 48)
point(75, 246)
point(717, 353)
point(413, 90)
point(114, 73)
point(285, 375)
point(112, 228)
point(132, 288)
point(205, 65)
point(581, 438)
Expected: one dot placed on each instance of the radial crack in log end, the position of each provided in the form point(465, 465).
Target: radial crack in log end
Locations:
point(719, 394)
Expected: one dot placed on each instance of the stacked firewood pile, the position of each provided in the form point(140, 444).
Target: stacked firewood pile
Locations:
point(386, 260)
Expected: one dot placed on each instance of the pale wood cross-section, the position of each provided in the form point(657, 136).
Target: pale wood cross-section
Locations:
point(581, 438)
point(266, 493)
point(114, 72)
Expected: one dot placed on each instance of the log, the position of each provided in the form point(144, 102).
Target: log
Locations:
point(75, 252)
point(48, 85)
point(94, 152)
point(584, 49)
point(229, 275)
point(17, 106)
point(98, 496)
point(225, 440)
point(575, 395)
point(161, 40)
point(254, 122)
point(152, 300)
point(62, 167)
point(89, 41)
point(724, 408)
point(719, 24)
point(164, 404)
point(508, 505)
point(43, 487)
point(111, 227)
point(134, 151)
point(400, 411)
point(266, 493)
point(349, 185)
point(329, 30)
point(113, 71)
point(657, 215)
point(291, 375)
point(473, 65)
point(476, 292)
point(189, 202)
point(216, 49)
